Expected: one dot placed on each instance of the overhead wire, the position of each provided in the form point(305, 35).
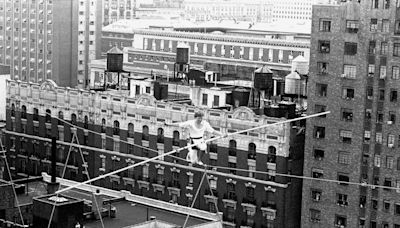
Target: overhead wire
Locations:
point(190, 146)
point(244, 170)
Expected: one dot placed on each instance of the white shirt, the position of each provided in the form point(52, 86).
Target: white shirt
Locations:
point(195, 132)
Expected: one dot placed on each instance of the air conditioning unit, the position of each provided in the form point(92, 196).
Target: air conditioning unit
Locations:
point(390, 145)
point(390, 122)
point(343, 75)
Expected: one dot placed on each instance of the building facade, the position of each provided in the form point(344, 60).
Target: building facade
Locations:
point(354, 73)
point(246, 198)
point(89, 37)
point(230, 55)
point(48, 39)
point(37, 39)
point(255, 11)
point(114, 10)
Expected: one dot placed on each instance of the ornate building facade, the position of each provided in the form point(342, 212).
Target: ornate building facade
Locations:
point(106, 122)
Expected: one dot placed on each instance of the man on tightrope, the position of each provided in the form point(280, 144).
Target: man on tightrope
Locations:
point(197, 127)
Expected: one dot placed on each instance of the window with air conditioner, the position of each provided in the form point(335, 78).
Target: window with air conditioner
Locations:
point(345, 136)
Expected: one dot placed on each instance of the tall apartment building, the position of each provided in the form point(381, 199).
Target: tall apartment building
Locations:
point(89, 37)
point(295, 10)
point(199, 10)
point(39, 39)
point(114, 10)
point(354, 73)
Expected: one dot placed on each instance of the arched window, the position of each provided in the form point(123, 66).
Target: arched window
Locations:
point(73, 118)
point(232, 148)
point(160, 135)
point(60, 117)
point(12, 109)
point(116, 127)
point(86, 122)
point(131, 130)
point(48, 116)
point(35, 114)
point(23, 112)
point(103, 125)
point(175, 138)
point(252, 151)
point(271, 154)
point(145, 133)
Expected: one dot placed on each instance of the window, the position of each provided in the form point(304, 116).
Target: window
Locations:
point(324, 25)
point(396, 49)
point(372, 47)
point(347, 114)
point(392, 118)
point(375, 4)
point(345, 136)
point(397, 209)
point(385, 25)
point(318, 154)
point(131, 131)
point(205, 99)
point(341, 199)
point(340, 221)
point(316, 195)
point(397, 27)
point(374, 24)
point(324, 46)
point(377, 160)
point(317, 173)
point(344, 157)
point(384, 48)
point(378, 137)
point(393, 96)
point(103, 125)
point(23, 112)
point(321, 89)
point(216, 101)
point(116, 128)
point(395, 72)
point(386, 4)
point(343, 178)
point(252, 151)
point(352, 26)
point(175, 138)
point(350, 48)
point(160, 135)
point(315, 215)
point(382, 72)
point(381, 94)
point(349, 71)
point(367, 136)
point(319, 109)
point(145, 133)
point(348, 93)
point(371, 70)
point(319, 132)
point(322, 67)
point(232, 148)
point(389, 162)
point(35, 114)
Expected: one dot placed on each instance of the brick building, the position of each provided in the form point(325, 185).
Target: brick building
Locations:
point(247, 199)
point(354, 73)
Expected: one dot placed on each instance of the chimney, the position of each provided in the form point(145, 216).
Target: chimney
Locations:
point(53, 186)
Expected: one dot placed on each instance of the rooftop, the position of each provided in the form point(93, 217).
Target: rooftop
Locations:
point(124, 208)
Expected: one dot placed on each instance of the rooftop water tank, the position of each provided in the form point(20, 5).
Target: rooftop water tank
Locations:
point(300, 64)
point(294, 84)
